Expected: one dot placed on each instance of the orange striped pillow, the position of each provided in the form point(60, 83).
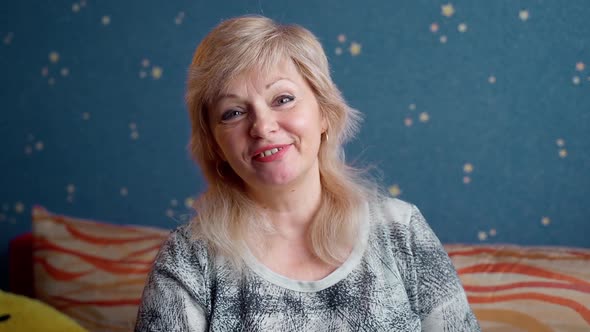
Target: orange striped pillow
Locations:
point(515, 288)
point(92, 271)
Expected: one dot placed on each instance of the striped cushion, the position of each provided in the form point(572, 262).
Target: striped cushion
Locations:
point(93, 272)
point(515, 288)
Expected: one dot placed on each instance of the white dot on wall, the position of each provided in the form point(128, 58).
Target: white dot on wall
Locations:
point(466, 180)
point(443, 39)
point(576, 80)
point(341, 38)
point(132, 125)
point(174, 202)
point(39, 146)
point(85, 115)
point(71, 188)
point(106, 20)
point(424, 117)
point(395, 190)
point(355, 48)
point(482, 236)
point(156, 72)
point(408, 122)
point(124, 192)
point(434, 27)
point(560, 142)
point(562, 153)
point(28, 150)
point(338, 51)
point(44, 71)
point(70, 199)
point(447, 10)
point(412, 107)
point(64, 72)
point(462, 27)
point(524, 15)
point(8, 38)
point(170, 213)
point(145, 62)
point(492, 232)
point(134, 135)
point(142, 74)
point(492, 79)
point(19, 207)
point(545, 221)
point(53, 56)
point(468, 168)
point(179, 18)
point(188, 202)
point(82, 3)
point(75, 8)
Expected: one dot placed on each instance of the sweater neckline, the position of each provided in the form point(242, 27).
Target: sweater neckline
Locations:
point(340, 273)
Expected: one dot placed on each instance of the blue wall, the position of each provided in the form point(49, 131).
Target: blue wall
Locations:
point(476, 111)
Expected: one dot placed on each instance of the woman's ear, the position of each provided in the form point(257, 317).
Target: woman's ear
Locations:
point(324, 124)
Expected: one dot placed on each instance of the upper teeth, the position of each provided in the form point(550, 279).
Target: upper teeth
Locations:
point(269, 152)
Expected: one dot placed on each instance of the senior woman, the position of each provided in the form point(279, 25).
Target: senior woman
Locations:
point(287, 237)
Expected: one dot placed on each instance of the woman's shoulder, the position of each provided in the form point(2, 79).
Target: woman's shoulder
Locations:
point(399, 223)
point(392, 211)
point(181, 236)
point(182, 248)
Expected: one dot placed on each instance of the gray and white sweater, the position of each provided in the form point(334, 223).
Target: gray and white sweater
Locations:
point(397, 278)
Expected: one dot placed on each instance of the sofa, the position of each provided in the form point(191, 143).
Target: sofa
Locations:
point(94, 272)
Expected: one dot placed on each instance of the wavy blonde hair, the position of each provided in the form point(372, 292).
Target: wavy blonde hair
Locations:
point(224, 211)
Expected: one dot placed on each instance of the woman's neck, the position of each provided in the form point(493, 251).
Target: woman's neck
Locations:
point(291, 208)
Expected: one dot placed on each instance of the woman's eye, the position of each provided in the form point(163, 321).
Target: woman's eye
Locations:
point(284, 99)
point(231, 114)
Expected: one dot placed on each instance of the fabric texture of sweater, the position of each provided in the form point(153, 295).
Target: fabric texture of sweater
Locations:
point(398, 277)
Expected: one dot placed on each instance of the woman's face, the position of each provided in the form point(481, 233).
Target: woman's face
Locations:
point(268, 127)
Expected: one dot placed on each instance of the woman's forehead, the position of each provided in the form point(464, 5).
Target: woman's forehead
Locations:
point(262, 76)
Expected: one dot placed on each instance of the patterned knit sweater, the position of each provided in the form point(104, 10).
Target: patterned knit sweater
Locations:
point(397, 278)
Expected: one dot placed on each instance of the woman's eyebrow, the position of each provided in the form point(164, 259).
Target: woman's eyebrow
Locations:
point(277, 80)
point(235, 96)
point(226, 96)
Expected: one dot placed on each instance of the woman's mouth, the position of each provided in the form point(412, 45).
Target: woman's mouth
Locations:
point(268, 152)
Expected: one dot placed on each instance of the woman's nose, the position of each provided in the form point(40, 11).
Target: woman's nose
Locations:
point(263, 122)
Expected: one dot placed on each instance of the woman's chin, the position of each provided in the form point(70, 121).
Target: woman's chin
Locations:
point(273, 181)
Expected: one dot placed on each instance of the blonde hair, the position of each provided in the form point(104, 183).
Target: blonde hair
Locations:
point(224, 211)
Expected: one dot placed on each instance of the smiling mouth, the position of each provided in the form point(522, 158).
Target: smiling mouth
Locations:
point(268, 152)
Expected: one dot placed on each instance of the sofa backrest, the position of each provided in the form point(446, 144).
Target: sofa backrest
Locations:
point(94, 272)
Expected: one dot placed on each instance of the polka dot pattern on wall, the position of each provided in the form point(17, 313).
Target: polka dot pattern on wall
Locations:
point(448, 13)
point(8, 37)
point(354, 48)
point(395, 190)
point(462, 114)
point(179, 18)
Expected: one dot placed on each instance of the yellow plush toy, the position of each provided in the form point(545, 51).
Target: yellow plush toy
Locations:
point(22, 314)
